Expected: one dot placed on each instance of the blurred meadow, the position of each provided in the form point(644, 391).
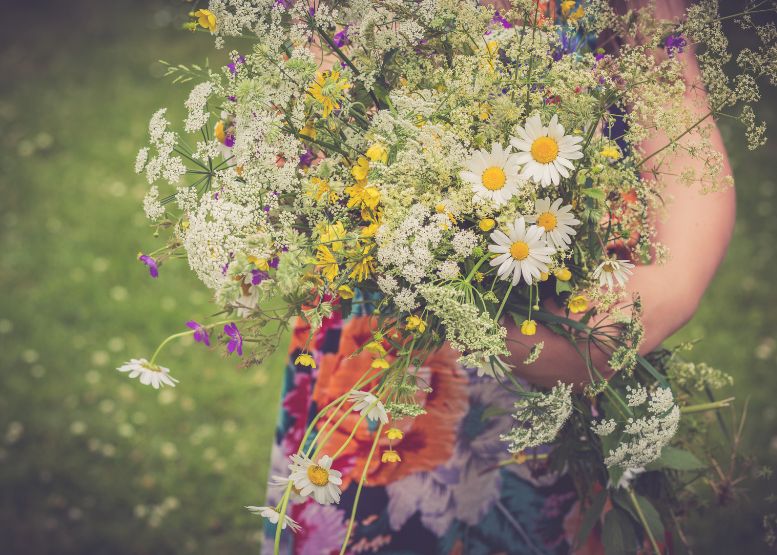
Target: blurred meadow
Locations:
point(91, 462)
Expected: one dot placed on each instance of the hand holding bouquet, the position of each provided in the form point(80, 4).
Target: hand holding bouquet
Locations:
point(453, 169)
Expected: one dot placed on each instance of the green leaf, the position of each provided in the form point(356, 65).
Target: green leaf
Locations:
point(618, 534)
point(652, 517)
point(590, 517)
point(562, 286)
point(676, 459)
point(596, 194)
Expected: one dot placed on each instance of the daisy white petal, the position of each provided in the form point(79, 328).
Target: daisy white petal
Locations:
point(148, 374)
point(545, 152)
point(527, 254)
point(494, 175)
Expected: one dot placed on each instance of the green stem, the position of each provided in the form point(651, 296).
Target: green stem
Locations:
point(703, 407)
point(643, 520)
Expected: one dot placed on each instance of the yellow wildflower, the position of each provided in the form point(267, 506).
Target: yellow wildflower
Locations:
point(363, 196)
point(415, 323)
point(485, 112)
point(219, 132)
point(345, 292)
point(563, 274)
point(380, 363)
point(529, 327)
point(390, 456)
point(305, 359)
point(260, 263)
point(328, 90)
point(394, 434)
point(364, 267)
point(332, 235)
point(206, 19)
point(520, 458)
point(375, 348)
point(487, 224)
point(322, 189)
point(370, 230)
point(577, 304)
point(360, 170)
point(479, 276)
point(327, 263)
point(611, 152)
point(544, 276)
point(570, 14)
point(377, 153)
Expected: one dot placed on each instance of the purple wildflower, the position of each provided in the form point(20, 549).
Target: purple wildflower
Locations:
point(233, 66)
point(229, 139)
point(200, 333)
point(236, 342)
point(258, 276)
point(273, 262)
point(675, 44)
point(341, 38)
point(232, 98)
point(499, 18)
point(306, 158)
point(153, 267)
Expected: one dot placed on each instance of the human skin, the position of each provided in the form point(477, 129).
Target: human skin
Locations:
point(696, 227)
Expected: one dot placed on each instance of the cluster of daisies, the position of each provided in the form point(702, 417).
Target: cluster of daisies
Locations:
point(543, 154)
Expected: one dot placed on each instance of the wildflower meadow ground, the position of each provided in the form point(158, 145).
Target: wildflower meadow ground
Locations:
point(91, 463)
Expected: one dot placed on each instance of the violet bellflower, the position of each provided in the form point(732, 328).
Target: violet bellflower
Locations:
point(674, 44)
point(153, 267)
point(236, 340)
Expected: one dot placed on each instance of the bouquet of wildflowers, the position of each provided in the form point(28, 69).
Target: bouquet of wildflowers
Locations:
point(448, 167)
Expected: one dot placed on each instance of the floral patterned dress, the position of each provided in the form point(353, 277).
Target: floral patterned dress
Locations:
point(448, 495)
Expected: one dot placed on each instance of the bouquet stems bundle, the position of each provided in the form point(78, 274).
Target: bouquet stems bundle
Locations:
point(451, 169)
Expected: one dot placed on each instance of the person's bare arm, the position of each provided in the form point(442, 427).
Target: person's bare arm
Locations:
point(696, 228)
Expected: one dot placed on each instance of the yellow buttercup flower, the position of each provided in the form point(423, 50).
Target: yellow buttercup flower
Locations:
point(415, 323)
point(380, 363)
point(375, 348)
point(394, 434)
point(577, 304)
point(363, 196)
point(544, 276)
point(611, 152)
point(327, 263)
point(206, 19)
point(487, 224)
point(377, 153)
point(308, 131)
point(305, 359)
point(529, 327)
point(370, 230)
point(563, 274)
point(345, 292)
point(485, 112)
point(390, 456)
point(328, 90)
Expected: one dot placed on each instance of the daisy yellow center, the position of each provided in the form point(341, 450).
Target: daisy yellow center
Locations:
point(544, 150)
point(548, 221)
point(494, 178)
point(519, 250)
point(608, 267)
point(318, 476)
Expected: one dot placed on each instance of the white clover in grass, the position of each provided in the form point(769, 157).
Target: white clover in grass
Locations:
point(271, 514)
point(368, 405)
point(493, 175)
point(149, 374)
point(546, 153)
point(613, 273)
point(556, 220)
point(540, 417)
point(316, 479)
point(521, 252)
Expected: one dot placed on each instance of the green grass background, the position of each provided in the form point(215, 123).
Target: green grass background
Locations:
point(93, 463)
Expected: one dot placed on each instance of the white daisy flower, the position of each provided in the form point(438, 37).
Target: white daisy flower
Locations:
point(148, 374)
point(369, 405)
point(556, 220)
point(316, 479)
point(522, 252)
point(274, 516)
point(493, 175)
point(545, 153)
point(611, 271)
